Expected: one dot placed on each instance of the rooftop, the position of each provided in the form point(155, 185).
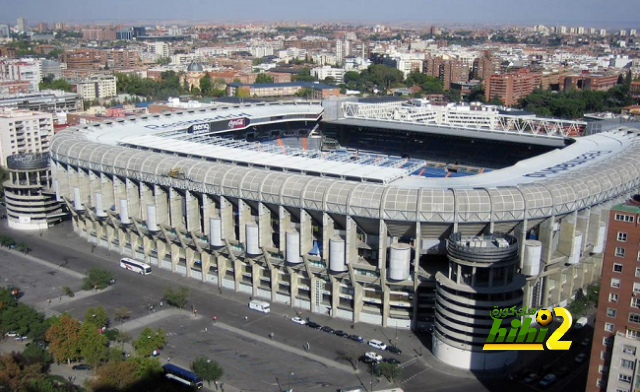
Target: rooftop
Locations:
point(632, 206)
point(316, 86)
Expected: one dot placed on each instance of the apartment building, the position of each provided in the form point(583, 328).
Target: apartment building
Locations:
point(321, 73)
point(159, 48)
point(96, 87)
point(448, 70)
point(616, 340)
point(512, 86)
point(22, 70)
point(24, 132)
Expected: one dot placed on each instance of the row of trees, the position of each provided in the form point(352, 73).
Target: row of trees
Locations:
point(168, 86)
point(64, 339)
point(48, 83)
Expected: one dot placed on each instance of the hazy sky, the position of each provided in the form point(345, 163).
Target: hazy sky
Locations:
point(624, 13)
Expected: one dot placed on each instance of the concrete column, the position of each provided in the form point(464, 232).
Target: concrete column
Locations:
point(546, 238)
point(176, 209)
point(244, 216)
point(84, 185)
point(293, 287)
point(328, 229)
point(275, 281)
point(520, 232)
point(306, 232)
point(123, 237)
point(582, 225)
point(594, 225)
point(357, 301)
point(238, 271)
point(161, 247)
point(386, 307)
point(382, 248)
point(351, 246)
point(106, 188)
point(189, 255)
point(335, 297)
point(209, 210)
point(567, 234)
point(284, 225)
point(94, 186)
point(147, 246)
point(161, 200)
point(135, 242)
point(133, 199)
point(313, 291)
point(255, 279)
point(206, 265)
point(146, 198)
point(175, 256)
point(226, 215)
point(193, 212)
point(222, 268)
point(264, 226)
point(119, 192)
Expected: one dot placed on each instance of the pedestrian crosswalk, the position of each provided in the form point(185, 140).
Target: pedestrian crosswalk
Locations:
point(48, 313)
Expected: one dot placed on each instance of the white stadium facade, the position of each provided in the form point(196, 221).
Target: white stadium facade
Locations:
point(252, 198)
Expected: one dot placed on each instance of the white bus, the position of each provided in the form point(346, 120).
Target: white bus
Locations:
point(260, 306)
point(135, 266)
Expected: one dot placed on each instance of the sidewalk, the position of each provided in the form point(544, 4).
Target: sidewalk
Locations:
point(150, 318)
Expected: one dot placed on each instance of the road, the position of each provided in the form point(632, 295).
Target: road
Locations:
point(250, 365)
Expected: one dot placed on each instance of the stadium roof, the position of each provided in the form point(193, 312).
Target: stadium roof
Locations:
point(313, 85)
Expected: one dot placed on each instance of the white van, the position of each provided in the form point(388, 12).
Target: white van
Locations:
point(260, 306)
point(377, 344)
point(582, 321)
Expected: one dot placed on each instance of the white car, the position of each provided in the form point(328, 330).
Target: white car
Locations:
point(373, 356)
point(298, 320)
point(377, 344)
point(11, 334)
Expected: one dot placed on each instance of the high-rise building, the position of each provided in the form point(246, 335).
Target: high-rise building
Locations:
point(616, 340)
point(448, 70)
point(622, 33)
point(162, 49)
point(59, 26)
point(510, 87)
point(42, 27)
point(24, 131)
point(97, 86)
point(602, 32)
point(4, 31)
point(633, 32)
point(339, 51)
point(23, 25)
point(580, 30)
point(24, 70)
point(592, 30)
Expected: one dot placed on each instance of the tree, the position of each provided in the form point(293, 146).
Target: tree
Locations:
point(92, 344)
point(207, 369)
point(263, 78)
point(97, 316)
point(122, 313)
point(20, 318)
point(7, 300)
point(35, 354)
point(16, 374)
point(149, 340)
point(206, 85)
point(48, 83)
point(115, 376)
point(97, 277)
point(495, 101)
point(350, 356)
point(415, 78)
point(163, 61)
point(390, 371)
point(177, 297)
point(64, 338)
point(123, 338)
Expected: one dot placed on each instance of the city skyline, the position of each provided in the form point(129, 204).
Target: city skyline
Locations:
point(577, 12)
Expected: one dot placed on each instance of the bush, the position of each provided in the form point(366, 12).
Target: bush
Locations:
point(66, 290)
point(177, 297)
point(97, 278)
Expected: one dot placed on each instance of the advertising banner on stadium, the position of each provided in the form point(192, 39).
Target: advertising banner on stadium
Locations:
point(217, 126)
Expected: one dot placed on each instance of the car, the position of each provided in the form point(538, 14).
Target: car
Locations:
point(368, 360)
point(82, 366)
point(547, 380)
point(377, 344)
point(531, 378)
point(341, 334)
point(298, 320)
point(522, 374)
point(20, 338)
point(374, 356)
point(392, 361)
point(394, 350)
point(11, 334)
point(585, 342)
point(313, 325)
point(562, 371)
point(328, 329)
point(356, 338)
point(581, 357)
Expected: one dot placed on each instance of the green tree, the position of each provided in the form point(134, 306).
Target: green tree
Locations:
point(60, 84)
point(123, 338)
point(207, 369)
point(34, 353)
point(476, 94)
point(92, 344)
point(495, 101)
point(115, 376)
point(163, 61)
point(97, 277)
point(263, 78)
point(206, 85)
point(415, 78)
point(432, 85)
point(64, 337)
point(122, 313)
point(177, 297)
point(389, 370)
point(149, 340)
point(20, 318)
point(97, 316)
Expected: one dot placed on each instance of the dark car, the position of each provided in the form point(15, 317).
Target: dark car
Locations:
point(328, 330)
point(392, 361)
point(81, 367)
point(356, 338)
point(562, 371)
point(394, 350)
point(313, 325)
point(342, 334)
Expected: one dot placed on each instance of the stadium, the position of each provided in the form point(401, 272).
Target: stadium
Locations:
point(397, 214)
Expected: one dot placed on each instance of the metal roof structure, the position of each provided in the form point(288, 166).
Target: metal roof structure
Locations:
point(592, 170)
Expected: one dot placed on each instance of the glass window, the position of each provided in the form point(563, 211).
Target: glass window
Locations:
point(617, 267)
point(637, 272)
point(624, 377)
point(613, 297)
point(615, 282)
point(611, 312)
point(607, 341)
point(609, 327)
point(635, 302)
point(633, 334)
point(622, 236)
point(627, 364)
point(634, 317)
point(629, 350)
point(619, 252)
point(636, 287)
